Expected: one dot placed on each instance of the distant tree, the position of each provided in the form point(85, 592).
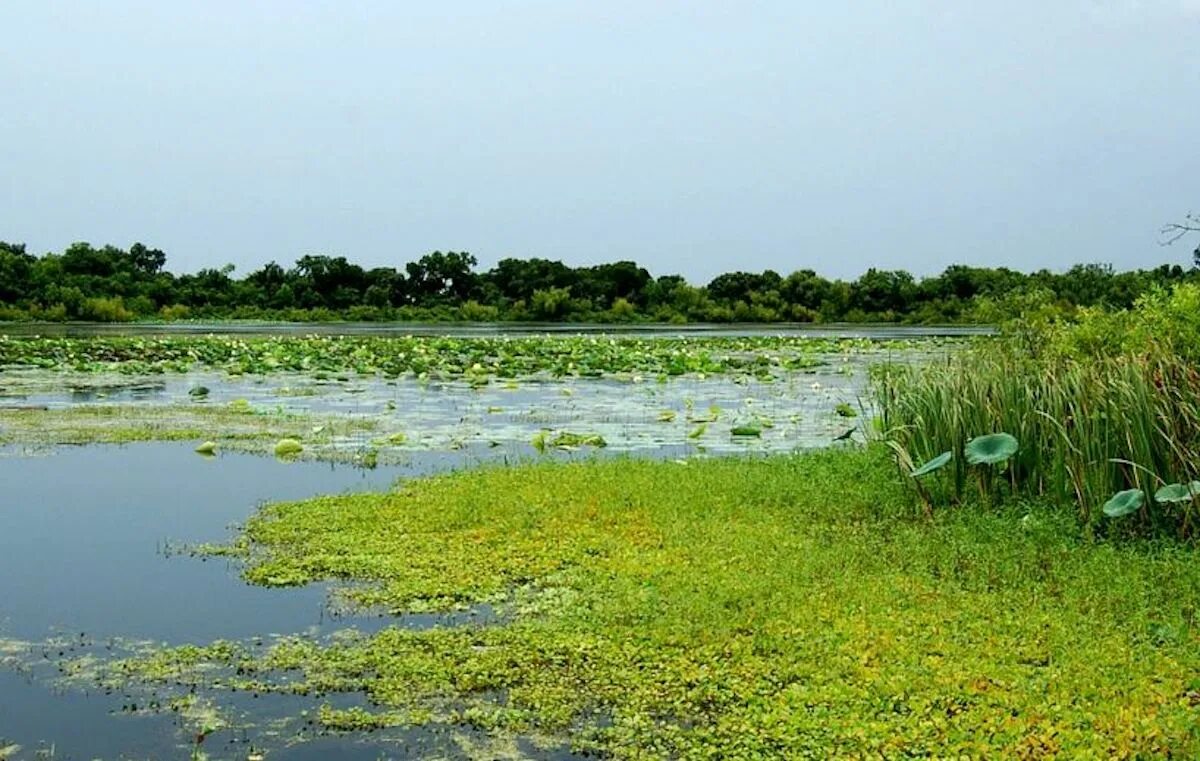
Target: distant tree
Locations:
point(517, 279)
point(148, 261)
point(16, 269)
point(439, 278)
point(737, 286)
point(603, 284)
point(882, 291)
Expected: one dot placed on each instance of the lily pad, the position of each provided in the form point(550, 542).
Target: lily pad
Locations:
point(991, 449)
point(746, 430)
point(937, 463)
point(1177, 492)
point(207, 448)
point(1124, 503)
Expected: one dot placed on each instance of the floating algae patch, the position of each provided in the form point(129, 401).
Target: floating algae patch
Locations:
point(741, 608)
point(211, 427)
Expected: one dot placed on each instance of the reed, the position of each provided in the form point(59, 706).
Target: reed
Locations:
point(1088, 425)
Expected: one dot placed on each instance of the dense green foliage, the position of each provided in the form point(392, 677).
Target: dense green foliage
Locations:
point(787, 607)
point(111, 285)
point(1100, 405)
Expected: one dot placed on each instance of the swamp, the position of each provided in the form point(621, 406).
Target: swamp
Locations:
point(462, 544)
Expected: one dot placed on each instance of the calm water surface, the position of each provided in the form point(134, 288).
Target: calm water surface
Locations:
point(85, 558)
point(89, 536)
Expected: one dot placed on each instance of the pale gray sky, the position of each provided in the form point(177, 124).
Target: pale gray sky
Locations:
point(695, 137)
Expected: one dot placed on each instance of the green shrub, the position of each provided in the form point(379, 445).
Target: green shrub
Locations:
point(105, 310)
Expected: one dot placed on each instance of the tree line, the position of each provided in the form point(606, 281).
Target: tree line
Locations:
point(112, 284)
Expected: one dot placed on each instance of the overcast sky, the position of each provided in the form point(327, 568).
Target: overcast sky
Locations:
point(694, 137)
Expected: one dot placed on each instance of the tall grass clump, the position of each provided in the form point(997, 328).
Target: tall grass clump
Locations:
point(1104, 405)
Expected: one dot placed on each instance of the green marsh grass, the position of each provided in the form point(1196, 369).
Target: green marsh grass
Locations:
point(1088, 426)
point(741, 608)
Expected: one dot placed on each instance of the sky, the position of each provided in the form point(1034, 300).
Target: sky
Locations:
point(693, 137)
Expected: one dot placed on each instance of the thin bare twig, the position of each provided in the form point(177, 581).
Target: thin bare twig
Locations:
point(1175, 230)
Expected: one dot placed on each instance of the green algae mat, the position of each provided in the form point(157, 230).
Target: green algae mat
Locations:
point(786, 606)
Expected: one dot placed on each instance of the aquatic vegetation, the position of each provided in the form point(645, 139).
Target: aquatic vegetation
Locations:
point(843, 409)
point(746, 430)
point(1177, 493)
point(569, 439)
point(474, 359)
point(1124, 503)
point(732, 608)
point(288, 448)
point(937, 463)
point(1088, 427)
point(990, 449)
point(201, 423)
point(207, 448)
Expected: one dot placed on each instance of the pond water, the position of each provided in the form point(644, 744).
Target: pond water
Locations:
point(90, 536)
point(86, 537)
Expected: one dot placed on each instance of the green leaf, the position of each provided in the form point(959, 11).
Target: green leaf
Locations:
point(1174, 493)
point(990, 449)
point(207, 448)
point(1124, 503)
point(746, 430)
point(937, 463)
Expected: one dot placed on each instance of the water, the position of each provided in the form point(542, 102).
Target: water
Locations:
point(796, 410)
point(84, 554)
point(88, 534)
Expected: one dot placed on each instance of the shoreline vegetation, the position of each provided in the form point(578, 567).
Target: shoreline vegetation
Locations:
point(113, 285)
point(793, 606)
point(1006, 568)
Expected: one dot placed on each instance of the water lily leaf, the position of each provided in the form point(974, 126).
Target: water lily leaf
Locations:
point(937, 463)
point(288, 448)
point(990, 449)
point(1124, 503)
point(207, 448)
point(746, 430)
point(1177, 492)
